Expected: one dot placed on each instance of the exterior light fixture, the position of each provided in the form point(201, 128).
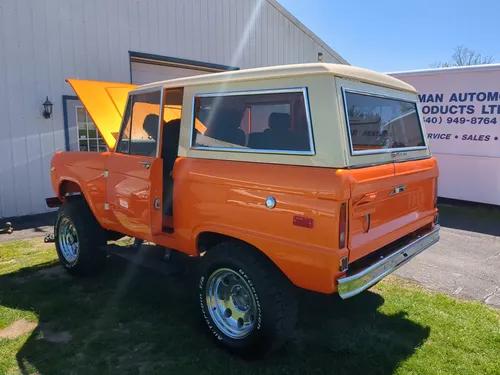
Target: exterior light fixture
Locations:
point(320, 56)
point(47, 108)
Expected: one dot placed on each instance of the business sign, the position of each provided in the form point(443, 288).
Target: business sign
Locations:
point(461, 110)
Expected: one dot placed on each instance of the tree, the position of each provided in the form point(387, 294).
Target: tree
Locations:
point(463, 56)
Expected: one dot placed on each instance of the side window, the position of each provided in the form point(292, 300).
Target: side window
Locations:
point(269, 122)
point(141, 129)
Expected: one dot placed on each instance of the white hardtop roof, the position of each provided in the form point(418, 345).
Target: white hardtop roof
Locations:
point(281, 71)
point(451, 69)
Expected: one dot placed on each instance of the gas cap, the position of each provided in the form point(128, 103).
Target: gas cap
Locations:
point(270, 203)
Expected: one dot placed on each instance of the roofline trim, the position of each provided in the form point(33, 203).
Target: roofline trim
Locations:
point(273, 72)
point(280, 8)
point(150, 58)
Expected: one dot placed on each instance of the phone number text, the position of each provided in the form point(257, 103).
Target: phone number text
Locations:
point(460, 120)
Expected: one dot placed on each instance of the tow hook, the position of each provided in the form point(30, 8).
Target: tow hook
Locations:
point(8, 229)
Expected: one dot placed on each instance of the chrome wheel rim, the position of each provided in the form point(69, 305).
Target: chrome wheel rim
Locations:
point(231, 303)
point(68, 240)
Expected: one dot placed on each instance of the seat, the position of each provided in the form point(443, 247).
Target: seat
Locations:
point(169, 153)
point(150, 126)
point(257, 140)
point(226, 127)
point(279, 137)
point(301, 134)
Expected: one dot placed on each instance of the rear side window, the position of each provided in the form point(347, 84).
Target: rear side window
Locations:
point(378, 123)
point(253, 122)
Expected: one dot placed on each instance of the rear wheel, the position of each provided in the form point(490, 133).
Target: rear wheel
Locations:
point(247, 304)
point(78, 237)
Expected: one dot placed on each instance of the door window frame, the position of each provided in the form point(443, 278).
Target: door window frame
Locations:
point(123, 126)
point(346, 90)
point(303, 91)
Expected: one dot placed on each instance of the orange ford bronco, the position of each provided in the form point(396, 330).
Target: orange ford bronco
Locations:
point(313, 176)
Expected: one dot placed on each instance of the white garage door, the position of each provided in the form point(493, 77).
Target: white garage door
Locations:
point(146, 73)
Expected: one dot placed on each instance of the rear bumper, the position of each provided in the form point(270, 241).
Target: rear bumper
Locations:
point(353, 284)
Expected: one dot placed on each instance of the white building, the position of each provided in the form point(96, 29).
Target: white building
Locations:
point(44, 42)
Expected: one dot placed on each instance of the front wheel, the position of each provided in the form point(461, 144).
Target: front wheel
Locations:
point(78, 237)
point(247, 304)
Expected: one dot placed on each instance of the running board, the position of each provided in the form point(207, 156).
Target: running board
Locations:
point(150, 257)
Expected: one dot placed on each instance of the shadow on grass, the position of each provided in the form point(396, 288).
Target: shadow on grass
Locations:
point(130, 320)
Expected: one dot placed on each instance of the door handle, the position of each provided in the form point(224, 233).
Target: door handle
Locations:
point(364, 206)
point(365, 199)
point(146, 164)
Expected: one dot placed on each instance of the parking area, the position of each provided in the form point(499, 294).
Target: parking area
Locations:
point(464, 263)
point(131, 320)
point(466, 260)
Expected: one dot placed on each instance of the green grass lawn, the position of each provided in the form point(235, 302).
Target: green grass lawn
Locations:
point(132, 321)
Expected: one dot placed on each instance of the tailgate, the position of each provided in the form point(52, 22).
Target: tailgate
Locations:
point(392, 173)
point(388, 202)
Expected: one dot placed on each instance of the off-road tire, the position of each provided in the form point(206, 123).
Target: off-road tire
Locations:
point(91, 237)
point(277, 306)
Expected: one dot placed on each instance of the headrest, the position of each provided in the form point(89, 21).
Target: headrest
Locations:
point(229, 118)
point(172, 127)
point(224, 120)
point(151, 125)
point(279, 121)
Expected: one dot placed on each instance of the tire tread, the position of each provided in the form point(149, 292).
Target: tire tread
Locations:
point(274, 289)
point(90, 236)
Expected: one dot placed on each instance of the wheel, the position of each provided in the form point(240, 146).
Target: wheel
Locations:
point(247, 304)
point(78, 236)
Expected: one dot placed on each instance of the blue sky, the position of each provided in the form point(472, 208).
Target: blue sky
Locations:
point(387, 36)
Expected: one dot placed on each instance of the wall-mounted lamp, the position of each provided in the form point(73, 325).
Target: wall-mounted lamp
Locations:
point(320, 56)
point(47, 108)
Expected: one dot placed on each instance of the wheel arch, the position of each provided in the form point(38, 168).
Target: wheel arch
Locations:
point(306, 267)
point(69, 186)
point(70, 189)
point(206, 240)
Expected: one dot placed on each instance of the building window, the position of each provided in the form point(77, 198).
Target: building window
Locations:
point(271, 121)
point(89, 138)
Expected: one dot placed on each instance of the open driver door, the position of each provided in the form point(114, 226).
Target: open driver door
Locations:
point(130, 125)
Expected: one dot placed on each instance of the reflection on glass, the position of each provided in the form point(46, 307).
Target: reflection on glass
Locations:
point(382, 123)
point(268, 121)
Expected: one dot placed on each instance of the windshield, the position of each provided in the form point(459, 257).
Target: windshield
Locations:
point(379, 124)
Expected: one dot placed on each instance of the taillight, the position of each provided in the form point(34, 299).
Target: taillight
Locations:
point(436, 217)
point(436, 193)
point(342, 225)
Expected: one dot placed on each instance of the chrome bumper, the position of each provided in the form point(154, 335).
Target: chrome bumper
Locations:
point(354, 284)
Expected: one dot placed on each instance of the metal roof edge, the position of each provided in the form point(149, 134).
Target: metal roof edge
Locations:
point(451, 69)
